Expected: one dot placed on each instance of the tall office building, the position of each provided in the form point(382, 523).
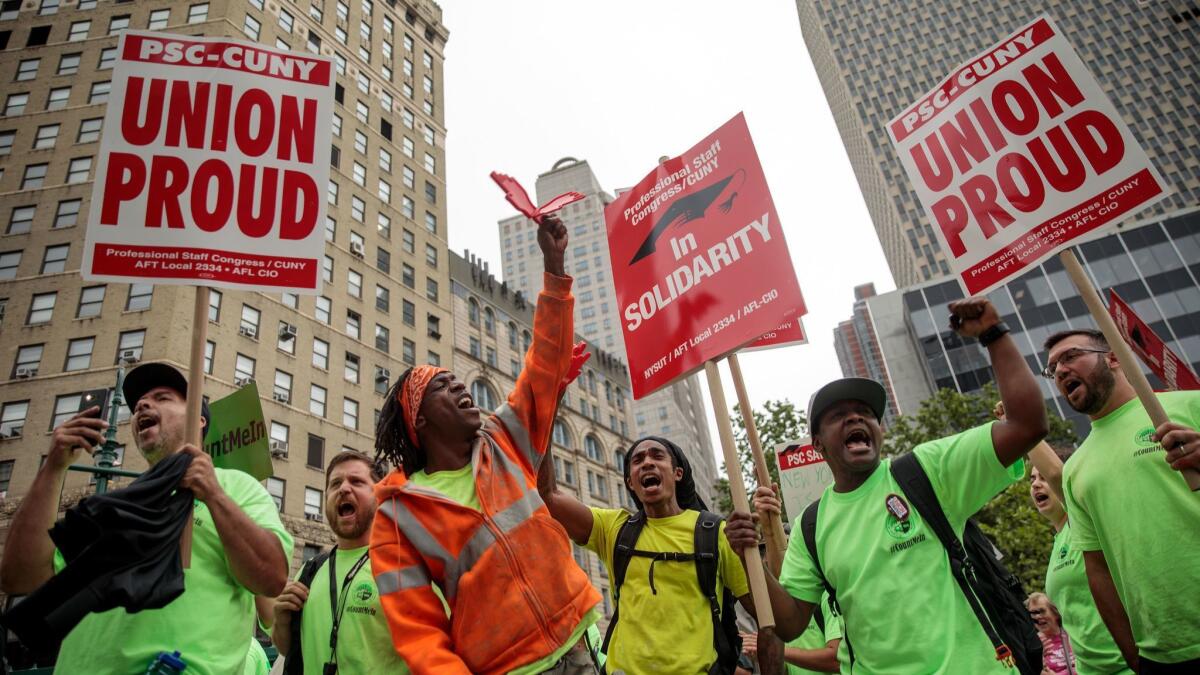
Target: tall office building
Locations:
point(675, 412)
point(493, 327)
point(875, 57)
point(1154, 267)
point(322, 364)
point(857, 348)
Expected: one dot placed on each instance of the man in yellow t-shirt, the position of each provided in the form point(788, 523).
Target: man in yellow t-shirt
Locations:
point(665, 623)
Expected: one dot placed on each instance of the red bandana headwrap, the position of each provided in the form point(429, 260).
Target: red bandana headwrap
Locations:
point(412, 393)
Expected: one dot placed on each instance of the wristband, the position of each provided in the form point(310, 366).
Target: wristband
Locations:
point(997, 331)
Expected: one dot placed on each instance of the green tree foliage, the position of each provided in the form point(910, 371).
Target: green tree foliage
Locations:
point(777, 422)
point(1010, 519)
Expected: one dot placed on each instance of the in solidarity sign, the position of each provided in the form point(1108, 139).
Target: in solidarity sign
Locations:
point(699, 260)
point(213, 165)
point(1018, 153)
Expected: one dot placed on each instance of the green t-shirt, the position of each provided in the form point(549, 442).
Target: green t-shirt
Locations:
point(669, 631)
point(814, 638)
point(903, 611)
point(1067, 587)
point(257, 662)
point(459, 485)
point(209, 624)
point(1124, 499)
point(364, 640)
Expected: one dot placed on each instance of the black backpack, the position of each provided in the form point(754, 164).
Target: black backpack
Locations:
point(726, 639)
point(994, 594)
point(293, 663)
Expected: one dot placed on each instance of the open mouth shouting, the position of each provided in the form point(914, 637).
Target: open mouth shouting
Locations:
point(466, 403)
point(146, 423)
point(858, 441)
point(346, 509)
point(1041, 499)
point(651, 483)
point(1074, 389)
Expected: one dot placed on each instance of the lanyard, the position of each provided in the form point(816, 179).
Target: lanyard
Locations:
point(334, 607)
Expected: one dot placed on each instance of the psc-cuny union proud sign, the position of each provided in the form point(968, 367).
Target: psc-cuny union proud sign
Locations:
point(699, 259)
point(213, 165)
point(1017, 153)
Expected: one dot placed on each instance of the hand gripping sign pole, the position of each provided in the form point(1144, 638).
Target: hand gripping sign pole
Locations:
point(773, 526)
point(737, 489)
point(1129, 363)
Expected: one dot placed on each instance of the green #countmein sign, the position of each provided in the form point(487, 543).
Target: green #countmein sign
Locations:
point(237, 436)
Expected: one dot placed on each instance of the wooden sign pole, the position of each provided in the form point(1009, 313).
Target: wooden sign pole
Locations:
point(772, 524)
point(1129, 362)
point(195, 398)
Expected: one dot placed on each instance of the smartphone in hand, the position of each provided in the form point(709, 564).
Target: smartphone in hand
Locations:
point(94, 398)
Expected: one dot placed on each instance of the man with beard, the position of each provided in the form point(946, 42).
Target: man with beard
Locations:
point(344, 578)
point(239, 546)
point(461, 511)
point(666, 623)
point(1132, 514)
point(903, 612)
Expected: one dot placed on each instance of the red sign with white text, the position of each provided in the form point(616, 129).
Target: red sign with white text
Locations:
point(699, 260)
point(789, 334)
point(1019, 152)
point(213, 168)
point(1172, 370)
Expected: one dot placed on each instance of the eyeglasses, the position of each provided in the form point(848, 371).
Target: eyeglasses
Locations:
point(1067, 357)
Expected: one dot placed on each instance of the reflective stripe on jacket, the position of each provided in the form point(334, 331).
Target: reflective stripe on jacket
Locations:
point(507, 571)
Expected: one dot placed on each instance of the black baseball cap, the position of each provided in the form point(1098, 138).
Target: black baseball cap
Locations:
point(847, 388)
point(151, 375)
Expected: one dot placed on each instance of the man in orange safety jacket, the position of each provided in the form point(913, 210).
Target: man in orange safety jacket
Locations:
point(462, 512)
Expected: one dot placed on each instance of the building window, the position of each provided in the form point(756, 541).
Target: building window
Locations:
point(15, 104)
point(431, 256)
point(34, 177)
point(99, 92)
point(351, 370)
point(89, 130)
point(118, 23)
point(79, 29)
point(107, 58)
point(7, 138)
point(55, 259)
point(408, 351)
point(68, 64)
point(65, 407)
point(78, 170)
point(431, 289)
point(91, 300)
point(139, 297)
point(592, 447)
point(358, 209)
point(312, 503)
point(210, 350)
point(41, 309)
point(67, 213)
point(316, 399)
point(408, 313)
point(435, 326)
point(251, 27)
point(320, 354)
point(9, 262)
point(382, 338)
point(214, 305)
point(323, 309)
point(350, 413)
point(58, 97)
point(384, 227)
point(353, 324)
point(286, 341)
point(482, 395)
point(275, 488)
point(12, 418)
point(382, 299)
point(29, 359)
point(354, 282)
point(249, 323)
point(408, 275)
point(159, 19)
point(45, 137)
point(431, 222)
point(283, 386)
point(316, 452)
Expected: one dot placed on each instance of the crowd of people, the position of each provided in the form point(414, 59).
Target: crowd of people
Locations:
point(459, 559)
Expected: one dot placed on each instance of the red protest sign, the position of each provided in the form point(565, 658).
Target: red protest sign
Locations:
point(790, 333)
point(1172, 370)
point(212, 167)
point(1017, 153)
point(699, 259)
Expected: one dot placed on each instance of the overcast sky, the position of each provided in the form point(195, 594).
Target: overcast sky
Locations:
point(621, 83)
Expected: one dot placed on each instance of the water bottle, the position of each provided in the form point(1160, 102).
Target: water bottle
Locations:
point(166, 664)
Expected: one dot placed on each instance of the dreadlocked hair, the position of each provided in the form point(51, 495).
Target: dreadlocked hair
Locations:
point(391, 434)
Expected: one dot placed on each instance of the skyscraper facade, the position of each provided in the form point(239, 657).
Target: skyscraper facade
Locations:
point(875, 57)
point(322, 363)
point(676, 412)
point(857, 348)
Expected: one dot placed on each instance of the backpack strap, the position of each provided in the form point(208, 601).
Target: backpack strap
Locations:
point(294, 660)
point(808, 530)
point(623, 551)
point(915, 483)
point(707, 557)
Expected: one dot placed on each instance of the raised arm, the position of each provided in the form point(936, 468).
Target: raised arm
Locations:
point(1025, 422)
point(29, 552)
point(533, 402)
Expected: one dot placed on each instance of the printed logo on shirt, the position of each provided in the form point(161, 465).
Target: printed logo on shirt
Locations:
point(904, 529)
point(1144, 440)
point(363, 592)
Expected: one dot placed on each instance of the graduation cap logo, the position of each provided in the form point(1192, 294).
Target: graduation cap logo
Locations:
point(693, 207)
